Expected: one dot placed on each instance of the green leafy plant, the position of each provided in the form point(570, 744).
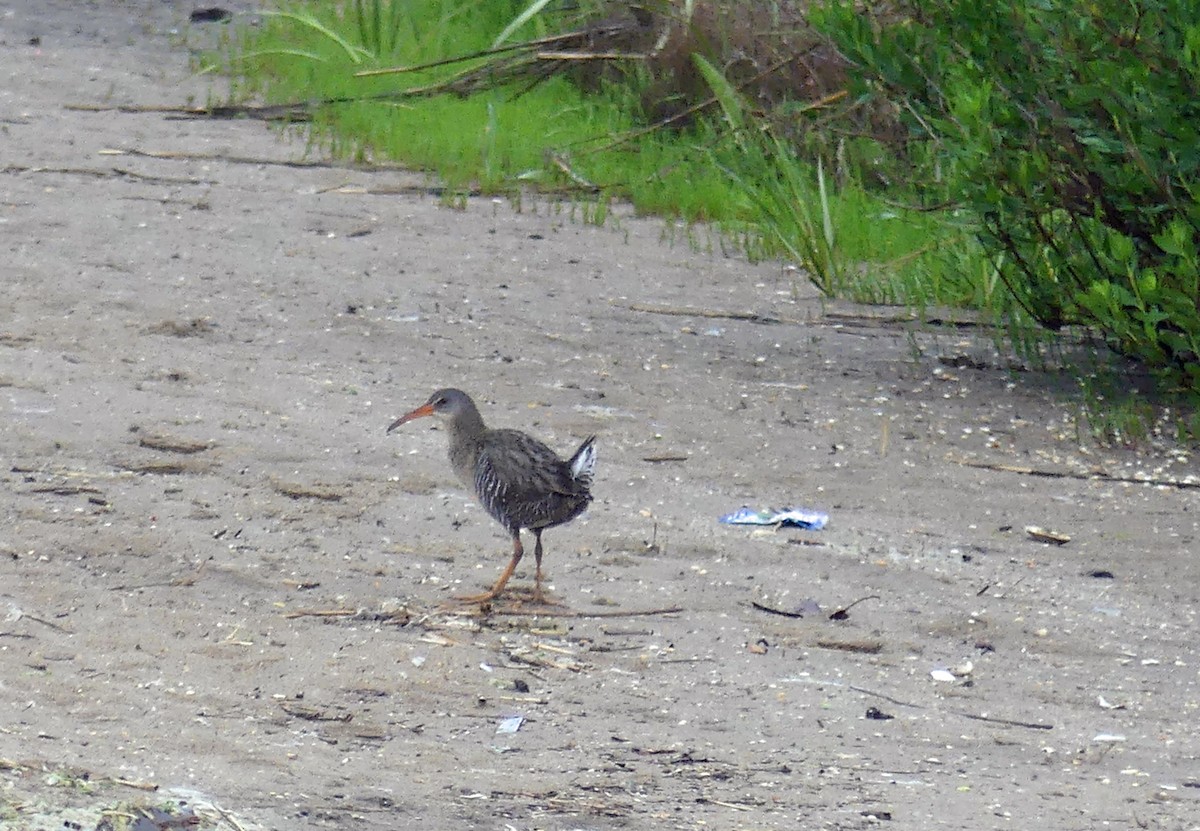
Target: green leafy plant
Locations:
point(850, 242)
point(1071, 132)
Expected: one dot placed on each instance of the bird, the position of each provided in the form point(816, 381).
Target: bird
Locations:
point(520, 482)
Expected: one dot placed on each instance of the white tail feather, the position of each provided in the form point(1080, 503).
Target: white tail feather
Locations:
point(583, 463)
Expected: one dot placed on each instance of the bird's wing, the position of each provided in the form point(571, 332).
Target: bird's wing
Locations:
point(528, 468)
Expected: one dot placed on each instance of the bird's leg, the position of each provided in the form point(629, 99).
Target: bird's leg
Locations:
point(538, 595)
point(494, 592)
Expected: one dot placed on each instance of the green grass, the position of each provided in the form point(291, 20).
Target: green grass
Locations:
point(853, 237)
point(859, 244)
point(852, 241)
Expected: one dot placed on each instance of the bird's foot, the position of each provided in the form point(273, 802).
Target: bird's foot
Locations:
point(519, 597)
point(540, 597)
point(486, 597)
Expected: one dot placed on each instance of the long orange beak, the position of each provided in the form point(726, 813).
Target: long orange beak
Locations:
point(420, 412)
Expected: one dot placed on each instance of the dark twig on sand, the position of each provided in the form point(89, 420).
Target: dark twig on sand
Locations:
point(1096, 475)
point(773, 611)
point(887, 697)
point(1007, 722)
point(569, 613)
point(720, 314)
point(844, 612)
point(51, 624)
point(312, 713)
point(862, 647)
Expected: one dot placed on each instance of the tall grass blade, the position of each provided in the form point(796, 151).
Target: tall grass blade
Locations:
point(826, 220)
point(727, 96)
point(270, 53)
point(531, 11)
point(356, 54)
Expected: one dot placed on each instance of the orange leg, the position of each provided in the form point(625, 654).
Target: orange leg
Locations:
point(494, 592)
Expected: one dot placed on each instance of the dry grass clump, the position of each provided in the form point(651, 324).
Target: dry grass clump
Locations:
point(785, 69)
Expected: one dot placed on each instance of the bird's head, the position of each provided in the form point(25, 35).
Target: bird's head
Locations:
point(447, 403)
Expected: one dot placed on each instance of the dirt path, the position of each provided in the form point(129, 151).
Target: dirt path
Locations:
point(199, 353)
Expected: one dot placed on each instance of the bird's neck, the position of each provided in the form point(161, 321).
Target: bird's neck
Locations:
point(466, 435)
point(467, 424)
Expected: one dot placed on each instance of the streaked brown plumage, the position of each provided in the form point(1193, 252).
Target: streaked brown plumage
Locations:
point(519, 481)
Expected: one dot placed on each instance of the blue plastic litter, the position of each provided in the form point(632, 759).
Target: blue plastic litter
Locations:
point(510, 725)
point(785, 517)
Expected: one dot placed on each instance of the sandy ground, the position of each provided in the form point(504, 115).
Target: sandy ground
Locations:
point(223, 587)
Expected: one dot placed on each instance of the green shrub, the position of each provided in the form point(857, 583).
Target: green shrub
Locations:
point(1071, 130)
